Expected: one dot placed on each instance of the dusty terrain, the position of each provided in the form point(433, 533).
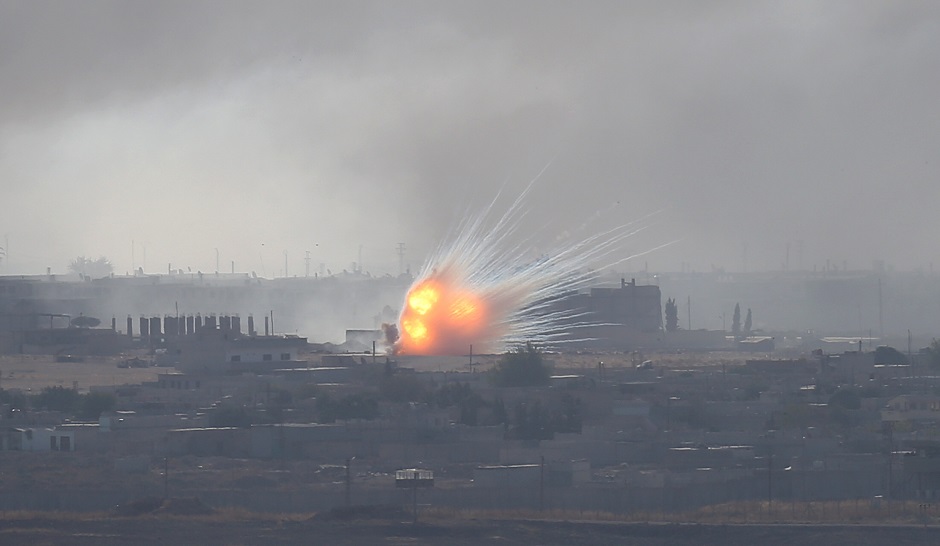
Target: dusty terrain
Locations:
point(233, 530)
point(30, 373)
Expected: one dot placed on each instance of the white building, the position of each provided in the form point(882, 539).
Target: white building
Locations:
point(37, 439)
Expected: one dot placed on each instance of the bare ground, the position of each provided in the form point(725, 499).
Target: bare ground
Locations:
point(58, 529)
point(33, 372)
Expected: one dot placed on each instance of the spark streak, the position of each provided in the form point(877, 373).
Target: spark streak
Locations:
point(479, 289)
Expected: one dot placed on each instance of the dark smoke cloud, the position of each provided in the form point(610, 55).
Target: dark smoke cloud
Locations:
point(257, 129)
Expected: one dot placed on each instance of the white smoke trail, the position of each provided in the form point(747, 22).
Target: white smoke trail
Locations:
point(480, 289)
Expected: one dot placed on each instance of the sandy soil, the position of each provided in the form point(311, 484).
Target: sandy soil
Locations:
point(233, 531)
point(32, 373)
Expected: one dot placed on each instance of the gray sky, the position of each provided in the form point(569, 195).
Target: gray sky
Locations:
point(263, 127)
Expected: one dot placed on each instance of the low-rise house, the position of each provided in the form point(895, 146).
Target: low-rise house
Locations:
point(924, 408)
point(220, 351)
point(37, 439)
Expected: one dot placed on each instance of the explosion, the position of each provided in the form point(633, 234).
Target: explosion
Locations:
point(482, 293)
point(438, 312)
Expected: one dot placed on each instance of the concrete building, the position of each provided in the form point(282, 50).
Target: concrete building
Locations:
point(37, 439)
point(637, 307)
point(917, 408)
point(217, 351)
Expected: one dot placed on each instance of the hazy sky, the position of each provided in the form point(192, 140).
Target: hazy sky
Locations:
point(257, 128)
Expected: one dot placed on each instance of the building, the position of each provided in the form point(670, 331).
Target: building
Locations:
point(37, 439)
point(218, 351)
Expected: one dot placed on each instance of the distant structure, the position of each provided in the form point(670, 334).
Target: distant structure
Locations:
point(636, 307)
point(624, 317)
point(221, 351)
point(162, 307)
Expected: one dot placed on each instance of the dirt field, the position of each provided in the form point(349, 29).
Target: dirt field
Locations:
point(231, 530)
point(32, 373)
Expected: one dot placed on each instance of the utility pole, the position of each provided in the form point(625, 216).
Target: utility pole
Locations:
point(881, 315)
point(348, 482)
point(770, 480)
point(688, 307)
point(542, 484)
point(285, 264)
point(166, 478)
point(414, 496)
point(910, 356)
point(307, 263)
point(401, 258)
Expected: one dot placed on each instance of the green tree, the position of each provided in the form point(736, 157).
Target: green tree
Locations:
point(94, 404)
point(736, 321)
point(17, 400)
point(747, 322)
point(521, 368)
point(569, 417)
point(58, 399)
point(94, 269)
point(933, 353)
point(230, 416)
point(499, 415)
point(672, 315)
point(890, 356)
point(399, 387)
point(461, 396)
point(846, 399)
point(531, 422)
point(353, 406)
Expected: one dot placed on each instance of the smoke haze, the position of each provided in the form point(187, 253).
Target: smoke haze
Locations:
point(243, 131)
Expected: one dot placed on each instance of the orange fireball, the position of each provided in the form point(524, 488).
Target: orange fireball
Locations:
point(440, 317)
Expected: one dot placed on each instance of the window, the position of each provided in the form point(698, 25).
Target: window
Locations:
point(66, 443)
point(285, 356)
point(267, 358)
point(53, 443)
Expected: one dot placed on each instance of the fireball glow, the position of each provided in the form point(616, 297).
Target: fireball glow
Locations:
point(479, 290)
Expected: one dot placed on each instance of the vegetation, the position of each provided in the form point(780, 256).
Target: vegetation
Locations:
point(521, 368)
point(230, 416)
point(531, 421)
point(94, 269)
point(84, 406)
point(95, 403)
point(672, 315)
point(736, 321)
point(353, 406)
point(401, 388)
point(848, 399)
point(461, 396)
point(748, 323)
point(933, 354)
point(890, 356)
